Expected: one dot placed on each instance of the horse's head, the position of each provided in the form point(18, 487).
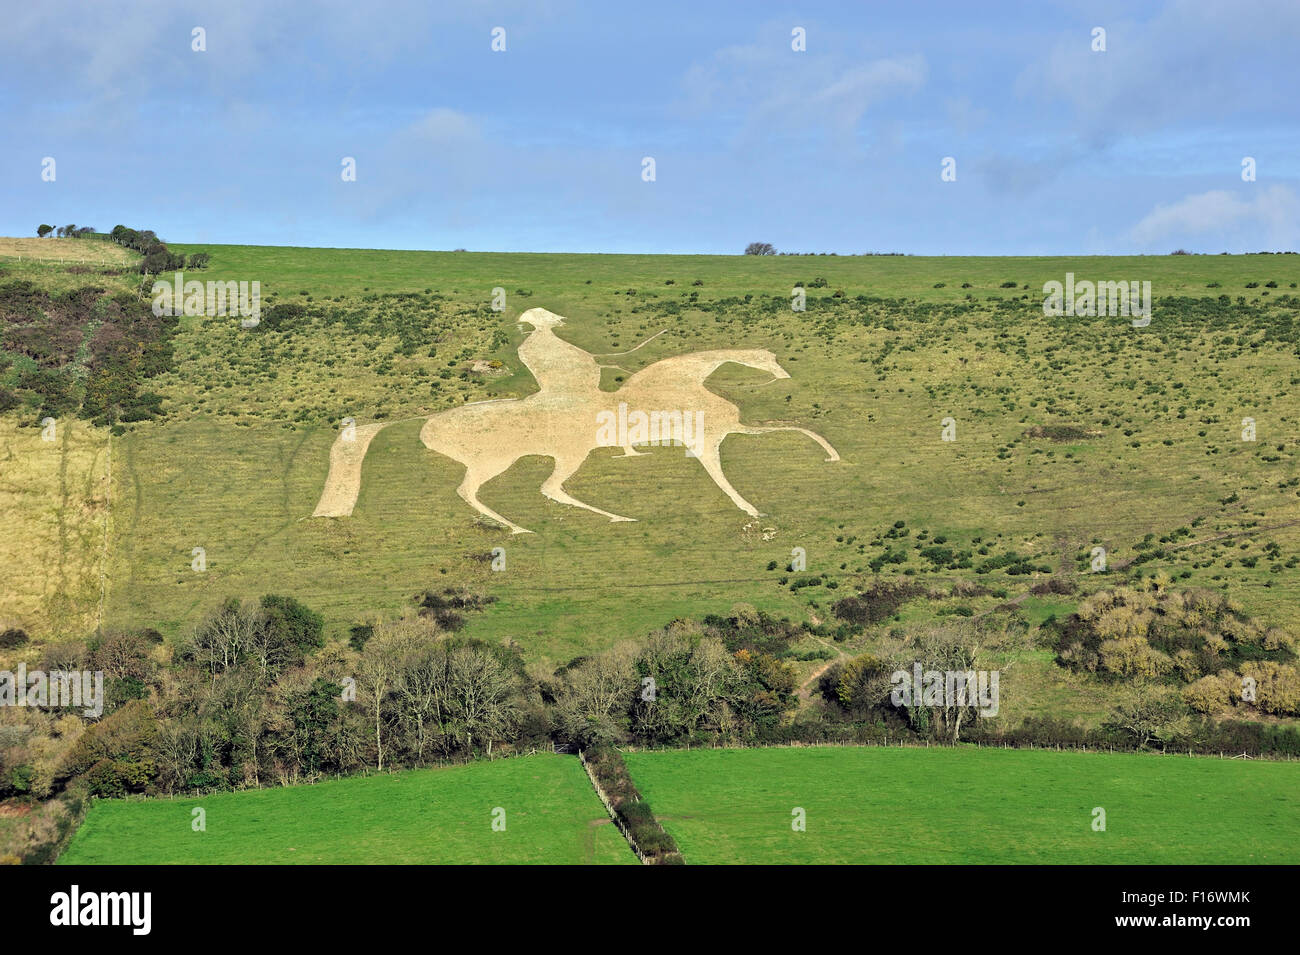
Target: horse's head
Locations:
point(540, 318)
point(766, 361)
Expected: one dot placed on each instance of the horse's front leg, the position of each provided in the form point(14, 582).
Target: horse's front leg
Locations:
point(476, 477)
point(709, 454)
point(553, 486)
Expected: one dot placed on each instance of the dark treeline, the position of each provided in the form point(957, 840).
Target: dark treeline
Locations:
point(632, 813)
point(254, 696)
point(71, 231)
point(156, 256)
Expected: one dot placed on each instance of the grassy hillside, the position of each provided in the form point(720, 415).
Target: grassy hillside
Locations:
point(55, 494)
point(238, 465)
point(918, 806)
point(419, 817)
point(563, 277)
point(1071, 433)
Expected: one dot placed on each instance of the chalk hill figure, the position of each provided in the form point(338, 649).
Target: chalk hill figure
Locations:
point(560, 420)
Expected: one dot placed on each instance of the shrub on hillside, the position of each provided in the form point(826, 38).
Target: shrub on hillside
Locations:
point(876, 604)
point(1153, 632)
point(116, 754)
point(279, 316)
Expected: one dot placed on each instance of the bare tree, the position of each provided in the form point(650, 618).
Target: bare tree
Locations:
point(594, 698)
point(382, 667)
point(228, 636)
point(963, 649)
point(1148, 715)
point(64, 655)
point(424, 683)
point(711, 672)
point(481, 695)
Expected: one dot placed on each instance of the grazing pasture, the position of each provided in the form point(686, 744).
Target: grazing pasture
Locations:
point(551, 815)
point(971, 806)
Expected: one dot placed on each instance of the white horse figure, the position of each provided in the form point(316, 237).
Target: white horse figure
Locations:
point(562, 421)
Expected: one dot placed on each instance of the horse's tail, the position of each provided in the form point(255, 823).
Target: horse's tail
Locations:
point(343, 483)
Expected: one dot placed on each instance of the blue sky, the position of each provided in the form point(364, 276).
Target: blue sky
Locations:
point(1058, 149)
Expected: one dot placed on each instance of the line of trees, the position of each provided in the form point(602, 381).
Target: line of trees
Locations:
point(254, 696)
point(71, 231)
point(157, 257)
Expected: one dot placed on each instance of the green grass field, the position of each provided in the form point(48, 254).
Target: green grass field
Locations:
point(913, 806)
point(418, 817)
point(563, 277)
point(862, 805)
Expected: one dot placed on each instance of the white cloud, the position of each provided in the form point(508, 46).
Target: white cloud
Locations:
point(1185, 60)
point(1268, 220)
point(769, 89)
point(442, 125)
point(847, 97)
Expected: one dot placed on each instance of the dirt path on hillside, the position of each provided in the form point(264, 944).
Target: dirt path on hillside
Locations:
point(805, 690)
point(1227, 535)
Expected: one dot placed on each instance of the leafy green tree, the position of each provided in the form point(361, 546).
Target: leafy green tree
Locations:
point(296, 628)
point(1150, 716)
point(314, 713)
point(118, 750)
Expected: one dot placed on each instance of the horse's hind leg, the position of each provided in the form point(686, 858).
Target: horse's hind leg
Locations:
point(553, 487)
point(760, 429)
point(468, 491)
point(710, 456)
